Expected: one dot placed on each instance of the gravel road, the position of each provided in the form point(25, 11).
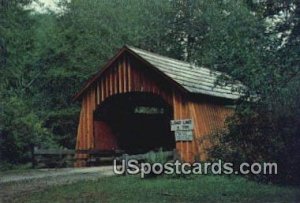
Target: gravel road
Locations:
point(14, 185)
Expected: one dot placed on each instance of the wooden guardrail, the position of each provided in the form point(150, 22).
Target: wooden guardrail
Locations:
point(52, 157)
point(66, 157)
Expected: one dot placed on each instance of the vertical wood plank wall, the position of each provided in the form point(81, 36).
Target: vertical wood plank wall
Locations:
point(207, 117)
point(127, 75)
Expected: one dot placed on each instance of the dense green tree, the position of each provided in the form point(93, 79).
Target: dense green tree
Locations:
point(20, 125)
point(264, 55)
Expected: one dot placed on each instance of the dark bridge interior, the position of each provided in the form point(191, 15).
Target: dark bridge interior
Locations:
point(134, 122)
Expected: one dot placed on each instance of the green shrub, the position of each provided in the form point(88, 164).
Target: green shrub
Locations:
point(156, 157)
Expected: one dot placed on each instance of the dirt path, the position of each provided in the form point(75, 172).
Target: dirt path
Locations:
point(13, 185)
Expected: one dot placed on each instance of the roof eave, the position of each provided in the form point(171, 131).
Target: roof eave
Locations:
point(90, 81)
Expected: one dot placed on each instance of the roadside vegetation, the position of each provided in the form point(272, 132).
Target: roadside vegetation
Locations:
point(166, 189)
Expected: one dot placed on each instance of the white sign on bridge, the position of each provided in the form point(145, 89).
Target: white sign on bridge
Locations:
point(183, 129)
point(184, 135)
point(186, 124)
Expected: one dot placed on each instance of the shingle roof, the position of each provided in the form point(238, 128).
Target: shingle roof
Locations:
point(193, 78)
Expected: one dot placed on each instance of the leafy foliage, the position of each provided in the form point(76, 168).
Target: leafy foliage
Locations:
point(45, 58)
point(267, 128)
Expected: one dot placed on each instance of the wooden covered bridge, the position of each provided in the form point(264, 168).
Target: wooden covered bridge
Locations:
point(129, 103)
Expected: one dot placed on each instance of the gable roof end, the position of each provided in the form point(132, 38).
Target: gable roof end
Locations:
point(193, 79)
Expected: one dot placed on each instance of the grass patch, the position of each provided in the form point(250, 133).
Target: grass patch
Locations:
point(166, 189)
point(8, 169)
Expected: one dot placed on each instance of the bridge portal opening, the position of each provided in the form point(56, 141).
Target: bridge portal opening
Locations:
point(133, 122)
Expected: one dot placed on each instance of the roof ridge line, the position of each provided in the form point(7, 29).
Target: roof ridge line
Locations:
point(174, 59)
point(159, 55)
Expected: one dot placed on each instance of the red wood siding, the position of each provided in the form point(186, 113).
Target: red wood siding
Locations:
point(130, 75)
